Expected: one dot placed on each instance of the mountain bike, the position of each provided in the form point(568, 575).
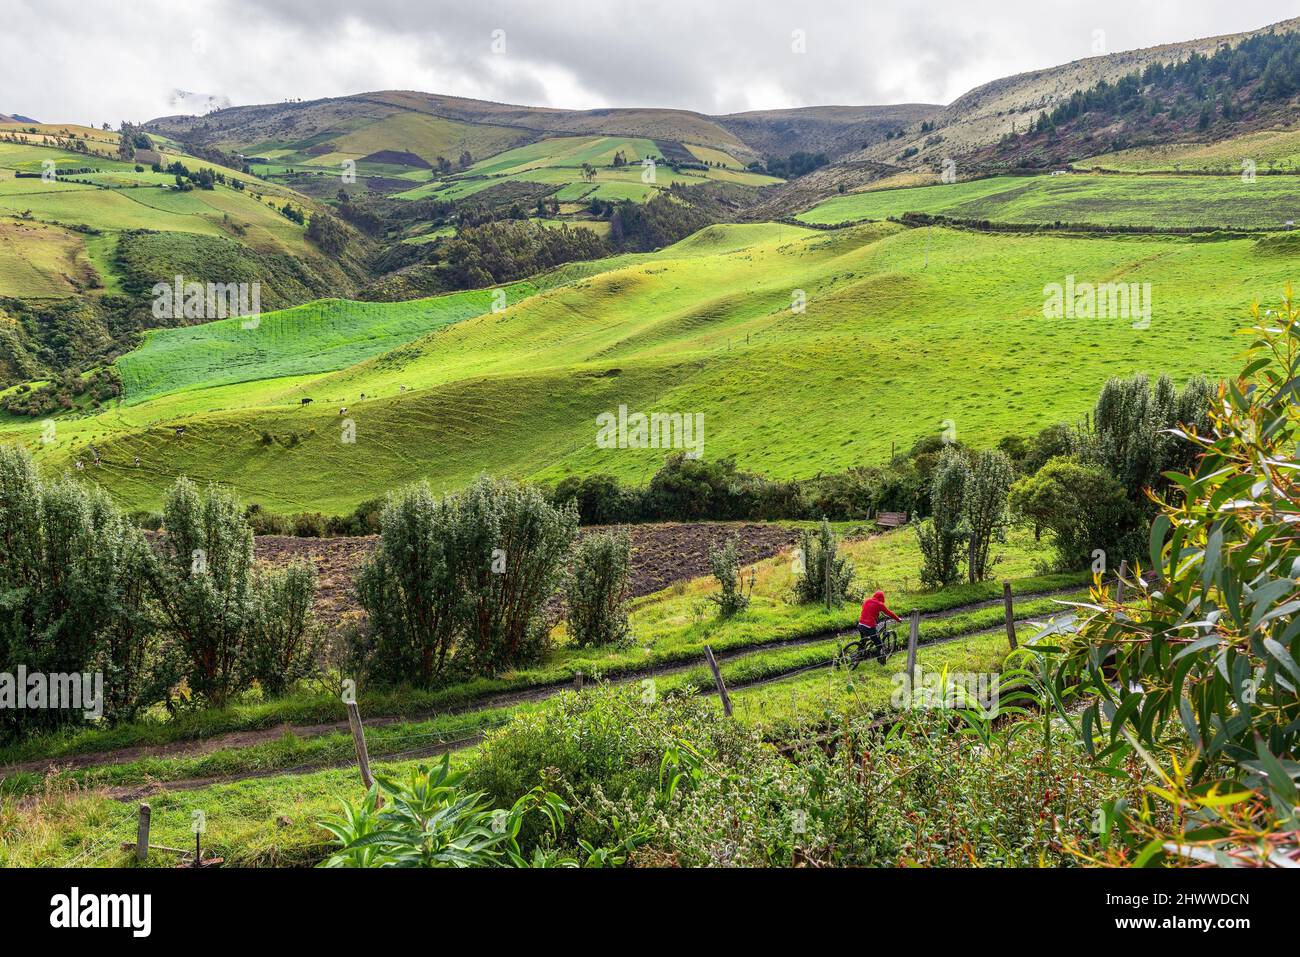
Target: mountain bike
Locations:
point(885, 644)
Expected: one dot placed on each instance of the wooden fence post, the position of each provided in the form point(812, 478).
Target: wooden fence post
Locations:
point(717, 677)
point(913, 636)
point(577, 680)
point(1119, 586)
point(142, 834)
point(359, 739)
point(1009, 607)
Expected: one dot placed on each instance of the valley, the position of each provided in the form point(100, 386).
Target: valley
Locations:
point(672, 476)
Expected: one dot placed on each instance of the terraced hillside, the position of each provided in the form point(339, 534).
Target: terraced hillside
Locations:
point(85, 234)
point(902, 330)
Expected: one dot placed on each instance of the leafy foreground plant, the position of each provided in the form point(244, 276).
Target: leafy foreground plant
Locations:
point(1198, 674)
point(670, 781)
point(430, 820)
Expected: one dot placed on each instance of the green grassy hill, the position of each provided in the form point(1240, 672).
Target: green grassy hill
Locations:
point(903, 329)
point(1100, 200)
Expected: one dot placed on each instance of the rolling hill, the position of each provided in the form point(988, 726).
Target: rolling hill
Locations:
point(903, 329)
point(414, 129)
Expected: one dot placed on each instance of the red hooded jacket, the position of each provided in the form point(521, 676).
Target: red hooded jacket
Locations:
point(872, 608)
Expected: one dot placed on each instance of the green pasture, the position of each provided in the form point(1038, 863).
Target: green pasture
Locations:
point(902, 330)
point(1079, 198)
point(1266, 149)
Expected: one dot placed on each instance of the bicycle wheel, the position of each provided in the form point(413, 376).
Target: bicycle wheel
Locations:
point(851, 654)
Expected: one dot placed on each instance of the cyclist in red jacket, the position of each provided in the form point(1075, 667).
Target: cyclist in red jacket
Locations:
point(869, 625)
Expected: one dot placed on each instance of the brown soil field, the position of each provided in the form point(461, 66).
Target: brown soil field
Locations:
point(662, 555)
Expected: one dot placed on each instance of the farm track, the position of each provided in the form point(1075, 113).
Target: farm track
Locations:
point(240, 739)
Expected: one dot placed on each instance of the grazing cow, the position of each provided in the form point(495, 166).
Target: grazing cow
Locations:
point(363, 397)
point(343, 411)
point(306, 401)
point(137, 461)
point(180, 431)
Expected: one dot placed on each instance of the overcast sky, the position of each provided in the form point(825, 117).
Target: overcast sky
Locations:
point(92, 61)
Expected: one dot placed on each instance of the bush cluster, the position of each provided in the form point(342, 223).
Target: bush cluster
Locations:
point(83, 591)
point(460, 580)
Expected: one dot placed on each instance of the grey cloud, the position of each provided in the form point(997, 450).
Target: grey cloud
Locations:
point(73, 61)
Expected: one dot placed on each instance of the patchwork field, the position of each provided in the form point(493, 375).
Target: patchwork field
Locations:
point(1092, 199)
point(57, 238)
point(903, 329)
point(559, 160)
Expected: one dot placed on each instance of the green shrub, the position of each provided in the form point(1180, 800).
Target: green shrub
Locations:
point(724, 562)
point(411, 592)
point(279, 650)
point(309, 525)
point(203, 582)
point(687, 489)
point(595, 589)
point(846, 495)
point(470, 573)
point(72, 594)
point(1051, 442)
point(512, 546)
point(1131, 434)
point(599, 499)
point(364, 519)
point(812, 581)
point(1085, 508)
point(263, 522)
point(606, 743)
point(984, 509)
point(942, 534)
